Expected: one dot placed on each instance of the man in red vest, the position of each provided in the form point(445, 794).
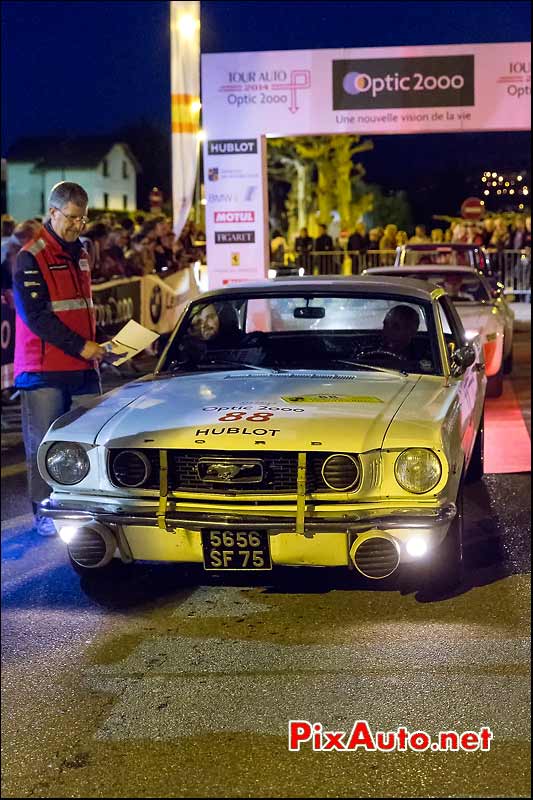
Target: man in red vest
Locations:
point(56, 355)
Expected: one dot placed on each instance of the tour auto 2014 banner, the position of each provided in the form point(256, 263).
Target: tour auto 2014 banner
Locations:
point(185, 105)
point(249, 96)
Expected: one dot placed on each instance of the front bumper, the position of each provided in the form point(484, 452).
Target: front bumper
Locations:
point(356, 521)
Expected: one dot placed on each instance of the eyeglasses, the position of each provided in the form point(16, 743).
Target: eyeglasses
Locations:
point(83, 220)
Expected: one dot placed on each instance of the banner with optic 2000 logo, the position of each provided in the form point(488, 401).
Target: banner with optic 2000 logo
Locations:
point(422, 89)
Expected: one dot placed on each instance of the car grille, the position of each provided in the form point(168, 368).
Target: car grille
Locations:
point(280, 471)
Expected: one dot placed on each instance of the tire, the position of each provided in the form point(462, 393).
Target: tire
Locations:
point(445, 572)
point(476, 467)
point(508, 363)
point(115, 570)
point(495, 384)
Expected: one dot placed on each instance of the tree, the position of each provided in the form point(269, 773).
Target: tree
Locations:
point(390, 208)
point(320, 172)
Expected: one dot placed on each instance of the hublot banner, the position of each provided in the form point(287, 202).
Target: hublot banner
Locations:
point(403, 82)
point(231, 147)
point(234, 237)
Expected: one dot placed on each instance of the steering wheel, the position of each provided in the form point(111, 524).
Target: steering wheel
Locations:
point(254, 339)
point(381, 354)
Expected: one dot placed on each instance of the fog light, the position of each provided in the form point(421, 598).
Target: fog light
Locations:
point(67, 533)
point(301, 272)
point(416, 546)
point(272, 273)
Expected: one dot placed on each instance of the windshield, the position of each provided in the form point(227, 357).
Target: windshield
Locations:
point(462, 287)
point(444, 256)
point(306, 332)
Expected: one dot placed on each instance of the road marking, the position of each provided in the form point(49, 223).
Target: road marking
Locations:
point(13, 469)
point(170, 687)
point(16, 522)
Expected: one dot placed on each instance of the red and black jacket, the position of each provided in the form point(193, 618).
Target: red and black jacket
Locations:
point(52, 291)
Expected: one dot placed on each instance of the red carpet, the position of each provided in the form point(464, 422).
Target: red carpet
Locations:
point(507, 442)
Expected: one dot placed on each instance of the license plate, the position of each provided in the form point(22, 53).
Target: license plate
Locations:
point(236, 550)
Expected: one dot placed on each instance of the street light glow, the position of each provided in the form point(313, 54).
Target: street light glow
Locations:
point(188, 25)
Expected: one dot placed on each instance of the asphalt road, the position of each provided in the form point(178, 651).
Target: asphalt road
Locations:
point(179, 686)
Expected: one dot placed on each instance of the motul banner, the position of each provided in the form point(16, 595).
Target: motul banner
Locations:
point(185, 100)
point(247, 97)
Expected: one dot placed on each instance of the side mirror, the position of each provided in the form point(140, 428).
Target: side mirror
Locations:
point(461, 359)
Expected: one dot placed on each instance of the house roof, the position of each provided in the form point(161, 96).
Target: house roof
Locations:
point(51, 152)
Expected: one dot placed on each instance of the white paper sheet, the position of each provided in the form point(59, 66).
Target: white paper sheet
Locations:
point(129, 341)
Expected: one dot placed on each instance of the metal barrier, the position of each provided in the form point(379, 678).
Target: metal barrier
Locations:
point(338, 262)
point(512, 267)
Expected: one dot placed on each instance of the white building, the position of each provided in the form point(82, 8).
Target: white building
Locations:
point(106, 169)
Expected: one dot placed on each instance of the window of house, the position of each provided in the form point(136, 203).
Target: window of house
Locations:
point(106, 200)
point(125, 202)
point(105, 168)
point(125, 173)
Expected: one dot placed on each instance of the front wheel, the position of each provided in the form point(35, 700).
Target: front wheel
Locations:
point(495, 384)
point(476, 467)
point(508, 363)
point(115, 570)
point(445, 572)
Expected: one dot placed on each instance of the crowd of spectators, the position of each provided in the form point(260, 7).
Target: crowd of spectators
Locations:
point(510, 232)
point(146, 244)
point(117, 248)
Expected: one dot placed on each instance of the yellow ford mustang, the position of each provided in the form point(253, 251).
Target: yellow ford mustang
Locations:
point(303, 422)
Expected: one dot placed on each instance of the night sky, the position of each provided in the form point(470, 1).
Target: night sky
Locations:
point(91, 67)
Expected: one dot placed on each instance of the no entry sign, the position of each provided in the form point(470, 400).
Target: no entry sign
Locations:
point(472, 208)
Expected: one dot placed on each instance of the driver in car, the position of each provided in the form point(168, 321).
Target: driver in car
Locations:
point(452, 285)
point(400, 325)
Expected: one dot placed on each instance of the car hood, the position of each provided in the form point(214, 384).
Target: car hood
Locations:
point(236, 410)
point(483, 319)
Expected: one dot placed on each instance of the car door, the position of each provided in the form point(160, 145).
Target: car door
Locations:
point(471, 384)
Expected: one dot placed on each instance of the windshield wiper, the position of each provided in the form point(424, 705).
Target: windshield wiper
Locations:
point(371, 367)
point(223, 364)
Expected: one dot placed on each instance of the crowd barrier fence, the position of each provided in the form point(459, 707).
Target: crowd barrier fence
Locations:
point(511, 267)
point(152, 301)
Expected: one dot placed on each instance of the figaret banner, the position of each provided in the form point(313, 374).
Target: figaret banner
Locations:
point(185, 108)
point(247, 97)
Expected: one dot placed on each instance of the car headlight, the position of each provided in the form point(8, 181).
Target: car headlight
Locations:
point(417, 470)
point(67, 462)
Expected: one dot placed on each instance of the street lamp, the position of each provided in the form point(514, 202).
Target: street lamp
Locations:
point(188, 25)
